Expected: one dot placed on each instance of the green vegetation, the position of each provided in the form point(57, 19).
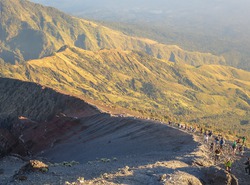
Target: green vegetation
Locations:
point(146, 77)
point(211, 95)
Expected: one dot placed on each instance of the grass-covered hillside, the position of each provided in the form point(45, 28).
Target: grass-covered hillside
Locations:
point(221, 27)
point(212, 95)
point(43, 45)
point(31, 31)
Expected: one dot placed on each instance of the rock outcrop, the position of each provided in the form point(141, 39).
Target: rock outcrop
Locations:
point(215, 175)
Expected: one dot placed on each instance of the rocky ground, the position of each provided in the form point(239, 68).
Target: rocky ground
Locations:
point(187, 163)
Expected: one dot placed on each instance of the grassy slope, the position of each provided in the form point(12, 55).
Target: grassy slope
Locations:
point(213, 95)
point(25, 25)
point(207, 94)
point(235, 51)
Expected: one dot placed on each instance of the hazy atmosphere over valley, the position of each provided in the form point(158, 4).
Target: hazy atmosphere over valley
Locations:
point(124, 92)
point(221, 27)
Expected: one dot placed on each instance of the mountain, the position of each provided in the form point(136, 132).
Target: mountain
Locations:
point(52, 62)
point(72, 136)
point(220, 27)
point(25, 25)
point(151, 87)
point(116, 69)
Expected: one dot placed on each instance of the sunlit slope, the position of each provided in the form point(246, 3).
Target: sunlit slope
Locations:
point(31, 31)
point(208, 94)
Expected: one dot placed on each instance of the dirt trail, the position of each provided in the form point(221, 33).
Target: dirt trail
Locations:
point(238, 167)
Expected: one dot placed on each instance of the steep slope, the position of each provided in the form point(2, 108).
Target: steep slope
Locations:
point(39, 121)
point(27, 111)
point(208, 95)
point(42, 123)
point(25, 25)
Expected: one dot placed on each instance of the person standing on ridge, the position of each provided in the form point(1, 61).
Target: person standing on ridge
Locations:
point(212, 147)
point(222, 142)
point(241, 150)
point(206, 137)
point(217, 140)
point(234, 146)
point(217, 154)
point(248, 165)
point(210, 133)
point(243, 140)
point(238, 141)
point(228, 165)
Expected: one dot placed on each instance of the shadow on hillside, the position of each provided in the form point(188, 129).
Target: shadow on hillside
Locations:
point(112, 144)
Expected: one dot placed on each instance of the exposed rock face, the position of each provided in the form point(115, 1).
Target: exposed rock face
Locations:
point(34, 165)
point(26, 111)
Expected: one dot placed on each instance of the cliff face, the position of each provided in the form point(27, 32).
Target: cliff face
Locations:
point(27, 110)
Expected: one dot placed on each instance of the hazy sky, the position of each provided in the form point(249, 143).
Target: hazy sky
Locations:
point(232, 13)
point(69, 5)
point(235, 10)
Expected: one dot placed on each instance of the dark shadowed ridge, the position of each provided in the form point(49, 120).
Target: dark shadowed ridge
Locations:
point(40, 121)
point(27, 106)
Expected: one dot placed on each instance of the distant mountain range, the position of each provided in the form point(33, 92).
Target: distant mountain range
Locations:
point(82, 58)
point(30, 31)
point(221, 27)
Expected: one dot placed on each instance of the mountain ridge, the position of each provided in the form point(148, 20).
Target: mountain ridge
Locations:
point(59, 128)
point(127, 74)
point(27, 109)
point(211, 26)
point(45, 29)
point(144, 84)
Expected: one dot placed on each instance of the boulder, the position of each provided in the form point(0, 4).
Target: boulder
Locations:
point(217, 176)
point(34, 166)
